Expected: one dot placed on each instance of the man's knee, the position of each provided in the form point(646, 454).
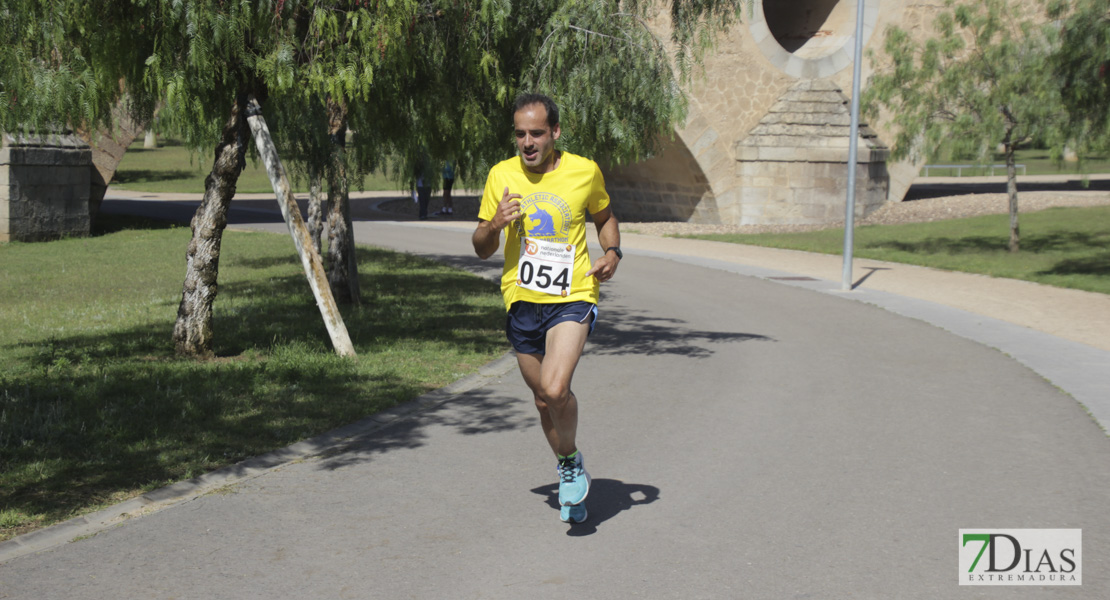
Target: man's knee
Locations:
point(552, 395)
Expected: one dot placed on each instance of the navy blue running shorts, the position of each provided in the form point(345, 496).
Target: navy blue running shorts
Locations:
point(527, 324)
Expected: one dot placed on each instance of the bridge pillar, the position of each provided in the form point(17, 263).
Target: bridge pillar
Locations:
point(44, 187)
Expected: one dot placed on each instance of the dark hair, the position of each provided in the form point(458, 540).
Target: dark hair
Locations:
point(524, 100)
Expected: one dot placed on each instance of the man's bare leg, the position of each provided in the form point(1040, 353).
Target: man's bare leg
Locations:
point(549, 376)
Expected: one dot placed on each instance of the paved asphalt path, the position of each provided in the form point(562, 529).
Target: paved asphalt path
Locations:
point(747, 439)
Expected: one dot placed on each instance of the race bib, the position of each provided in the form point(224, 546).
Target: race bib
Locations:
point(545, 266)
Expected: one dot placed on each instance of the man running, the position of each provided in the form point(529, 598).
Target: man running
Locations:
point(540, 199)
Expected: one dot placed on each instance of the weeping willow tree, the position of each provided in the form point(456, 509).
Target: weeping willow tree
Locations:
point(54, 75)
point(411, 78)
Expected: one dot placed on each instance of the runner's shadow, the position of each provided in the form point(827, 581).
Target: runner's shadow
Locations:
point(607, 499)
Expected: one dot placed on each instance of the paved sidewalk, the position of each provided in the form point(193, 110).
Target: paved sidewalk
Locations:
point(752, 435)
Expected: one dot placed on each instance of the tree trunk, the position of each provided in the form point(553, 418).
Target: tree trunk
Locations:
point(342, 266)
point(1011, 191)
point(192, 333)
point(1011, 177)
point(311, 261)
point(316, 210)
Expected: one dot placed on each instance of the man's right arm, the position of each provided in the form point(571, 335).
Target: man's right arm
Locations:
point(487, 236)
point(486, 239)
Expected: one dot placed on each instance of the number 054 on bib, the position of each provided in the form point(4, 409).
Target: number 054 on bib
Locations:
point(545, 266)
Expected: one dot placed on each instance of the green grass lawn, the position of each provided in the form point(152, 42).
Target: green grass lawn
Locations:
point(95, 408)
point(1037, 162)
point(171, 168)
point(1064, 247)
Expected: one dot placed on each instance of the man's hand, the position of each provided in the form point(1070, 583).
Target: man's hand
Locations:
point(605, 267)
point(508, 210)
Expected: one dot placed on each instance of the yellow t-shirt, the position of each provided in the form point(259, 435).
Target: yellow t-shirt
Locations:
point(555, 206)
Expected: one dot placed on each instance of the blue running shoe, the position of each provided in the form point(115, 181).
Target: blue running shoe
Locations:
point(573, 514)
point(574, 481)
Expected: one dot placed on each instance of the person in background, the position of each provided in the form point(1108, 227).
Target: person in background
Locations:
point(448, 182)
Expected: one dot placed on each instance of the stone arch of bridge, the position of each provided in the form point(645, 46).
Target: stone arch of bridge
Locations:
point(810, 39)
point(676, 184)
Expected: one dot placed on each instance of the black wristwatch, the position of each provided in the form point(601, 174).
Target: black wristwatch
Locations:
point(616, 249)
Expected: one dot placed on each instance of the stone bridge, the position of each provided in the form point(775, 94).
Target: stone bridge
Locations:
point(766, 138)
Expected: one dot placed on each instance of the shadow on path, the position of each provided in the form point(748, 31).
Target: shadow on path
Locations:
point(490, 269)
point(870, 272)
point(623, 331)
point(607, 499)
point(476, 412)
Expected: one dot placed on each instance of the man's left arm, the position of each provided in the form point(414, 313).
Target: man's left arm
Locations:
point(609, 235)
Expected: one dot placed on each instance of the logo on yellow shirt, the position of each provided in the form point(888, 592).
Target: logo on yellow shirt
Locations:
point(546, 216)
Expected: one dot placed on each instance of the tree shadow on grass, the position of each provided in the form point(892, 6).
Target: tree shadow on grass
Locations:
point(99, 413)
point(1065, 240)
point(77, 435)
point(1033, 243)
point(266, 262)
point(1098, 265)
point(106, 223)
point(944, 245)
point(404, 298)
point(150, 175)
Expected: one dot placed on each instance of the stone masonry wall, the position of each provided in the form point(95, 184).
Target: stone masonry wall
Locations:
point(802, 193)
point(646, 200)
point(44, 188)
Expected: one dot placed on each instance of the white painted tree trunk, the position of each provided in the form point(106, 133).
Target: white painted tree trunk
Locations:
point(310, 258)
